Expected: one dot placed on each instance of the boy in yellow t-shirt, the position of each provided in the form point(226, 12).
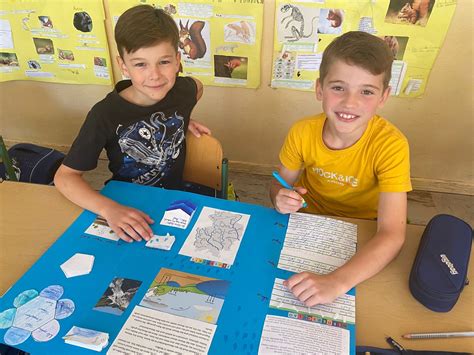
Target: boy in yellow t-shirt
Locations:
point(348, 162)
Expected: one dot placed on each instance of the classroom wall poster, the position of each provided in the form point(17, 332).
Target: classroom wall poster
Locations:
point(54, 41)
point(220, 40)
point(414, 30)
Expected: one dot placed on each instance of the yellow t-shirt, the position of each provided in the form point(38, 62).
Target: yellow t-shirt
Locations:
point(347, 182)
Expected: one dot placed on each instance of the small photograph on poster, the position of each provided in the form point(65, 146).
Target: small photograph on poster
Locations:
point(8, 60)
point(33, 64)
point(45, 21)
point(43, 45)
point(411, 12)
point(65, 54)
point(82, 21)
point(230, 67)
point(117, 296)
point(170, 9)
point(186, 295)
point(330, 21)
point(241, 31)
point(397, 45)
point(99, 61)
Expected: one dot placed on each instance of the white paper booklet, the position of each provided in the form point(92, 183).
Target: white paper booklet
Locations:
point(87, 338)
point(341, 309)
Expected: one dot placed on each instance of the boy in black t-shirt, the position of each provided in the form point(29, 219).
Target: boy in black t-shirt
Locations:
point(141, 124)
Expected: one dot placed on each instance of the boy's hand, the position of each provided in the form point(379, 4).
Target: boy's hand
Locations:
point(197, 128)
point(313, 289)
point(289, 201)
point(129, 223)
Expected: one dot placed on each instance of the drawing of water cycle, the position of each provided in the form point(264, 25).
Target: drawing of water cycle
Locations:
point(186, 295)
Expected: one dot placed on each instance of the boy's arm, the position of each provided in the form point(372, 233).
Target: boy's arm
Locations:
point(195, 127)
point(200, 89)
point(129, 223)
point(284, 200)
point(384, 246)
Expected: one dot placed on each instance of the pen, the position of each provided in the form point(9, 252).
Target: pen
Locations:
point(286, 185)
point(394, 344)
point(438, 335)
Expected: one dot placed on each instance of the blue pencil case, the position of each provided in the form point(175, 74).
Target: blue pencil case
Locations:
point(439, 272)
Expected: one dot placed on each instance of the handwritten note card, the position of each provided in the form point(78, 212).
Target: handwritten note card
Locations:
point(317, 244)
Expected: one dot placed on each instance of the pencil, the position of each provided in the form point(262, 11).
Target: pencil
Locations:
point(438, 335)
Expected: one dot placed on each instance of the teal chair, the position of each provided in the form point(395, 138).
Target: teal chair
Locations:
point(6, 161)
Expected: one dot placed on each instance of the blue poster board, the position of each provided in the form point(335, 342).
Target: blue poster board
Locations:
point(251, 277)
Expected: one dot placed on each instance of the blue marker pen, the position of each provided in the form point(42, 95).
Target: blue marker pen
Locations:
point(285, 184)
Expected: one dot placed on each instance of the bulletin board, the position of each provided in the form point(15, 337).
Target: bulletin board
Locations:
point(220, 41)
point(54, 41)
point(414, 30)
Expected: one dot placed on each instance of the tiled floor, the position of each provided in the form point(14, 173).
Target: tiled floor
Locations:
point(253, 188)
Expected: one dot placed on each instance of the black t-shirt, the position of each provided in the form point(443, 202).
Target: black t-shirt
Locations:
point(145, 145)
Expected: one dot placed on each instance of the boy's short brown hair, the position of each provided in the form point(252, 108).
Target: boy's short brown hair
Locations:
point(144, 26)
point(361, 49)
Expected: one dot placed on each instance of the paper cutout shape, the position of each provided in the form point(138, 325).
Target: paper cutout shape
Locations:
point(164, 242)
point(87, 338)
point(35, 314)
point(117, 296)
point(77, 265)
point(179, 214)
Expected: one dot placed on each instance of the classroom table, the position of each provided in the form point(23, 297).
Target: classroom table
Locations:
point(33, 216)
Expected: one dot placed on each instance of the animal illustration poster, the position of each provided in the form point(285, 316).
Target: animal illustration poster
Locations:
point(220, 40)
point(413, 29)
point(54, 41)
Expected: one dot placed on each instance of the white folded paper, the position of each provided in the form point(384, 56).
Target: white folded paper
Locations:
point(179, 214)
point(87, 338)
point(79, 264)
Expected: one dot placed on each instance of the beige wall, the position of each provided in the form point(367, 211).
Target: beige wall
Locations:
point(251, 124)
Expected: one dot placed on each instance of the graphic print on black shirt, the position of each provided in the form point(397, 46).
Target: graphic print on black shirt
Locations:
point(150, 148)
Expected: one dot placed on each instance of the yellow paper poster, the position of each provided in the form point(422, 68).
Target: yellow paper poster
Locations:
point(220, 41)
point(413, 29)
point(54, 41)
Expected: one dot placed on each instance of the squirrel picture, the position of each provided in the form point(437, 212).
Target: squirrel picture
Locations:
point(191, 40)
point(416, 11)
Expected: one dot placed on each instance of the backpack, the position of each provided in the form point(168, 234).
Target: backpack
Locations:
point(33, 163)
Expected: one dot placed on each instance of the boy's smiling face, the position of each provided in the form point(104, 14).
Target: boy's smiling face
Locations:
point(152, 71)
point(350, 97)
